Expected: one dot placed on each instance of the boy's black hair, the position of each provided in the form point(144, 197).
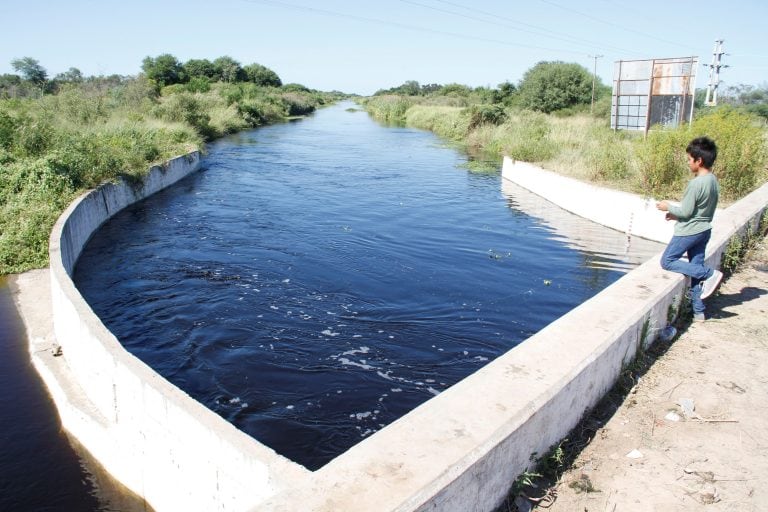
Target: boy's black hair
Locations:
point(704, 148)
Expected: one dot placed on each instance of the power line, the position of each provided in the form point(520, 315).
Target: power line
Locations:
point(611, 24)
point(540, 31)
point(325, 12)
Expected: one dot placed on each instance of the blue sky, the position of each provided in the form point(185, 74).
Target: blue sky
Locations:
point(360, 47)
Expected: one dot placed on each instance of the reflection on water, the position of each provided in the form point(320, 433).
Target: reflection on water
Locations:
point(601, 248)
point(322, 278)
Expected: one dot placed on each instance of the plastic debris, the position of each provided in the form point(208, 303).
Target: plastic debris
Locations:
point(668, 333)
point(635, 454)
point(672, 416)
point(686, 405)
point(709, 494)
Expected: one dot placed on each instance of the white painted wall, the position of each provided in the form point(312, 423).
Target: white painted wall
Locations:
point(459, 451)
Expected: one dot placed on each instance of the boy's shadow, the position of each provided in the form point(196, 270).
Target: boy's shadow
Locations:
point(724, 301)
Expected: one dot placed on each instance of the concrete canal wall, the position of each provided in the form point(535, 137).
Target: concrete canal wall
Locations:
point(460, 451)
point(156, 440)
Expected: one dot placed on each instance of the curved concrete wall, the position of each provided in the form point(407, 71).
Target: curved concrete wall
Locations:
point(459, 451)
point(155, 439)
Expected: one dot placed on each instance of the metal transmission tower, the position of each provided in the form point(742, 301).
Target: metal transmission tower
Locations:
point(714, 74)
point(594, 76)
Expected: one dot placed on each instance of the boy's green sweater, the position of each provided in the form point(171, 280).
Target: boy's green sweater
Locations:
point(695, 212)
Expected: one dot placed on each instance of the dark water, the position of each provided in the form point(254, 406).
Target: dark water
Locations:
point(39, 469)
point(321, 278)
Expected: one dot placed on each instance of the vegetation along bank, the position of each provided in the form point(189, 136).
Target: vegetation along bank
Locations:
point(61, 136)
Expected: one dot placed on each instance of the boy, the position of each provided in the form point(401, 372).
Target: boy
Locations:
point(694, 225)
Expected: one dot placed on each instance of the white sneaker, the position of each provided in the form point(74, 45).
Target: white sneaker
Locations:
point(709, 286)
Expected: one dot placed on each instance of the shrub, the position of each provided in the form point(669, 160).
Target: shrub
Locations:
point(78, 105)
point(663, 169)
point(298, 104)
point(389, 108)
point(33, 134)
point(232, 93)
point(262, 109)
point(25, 225)
point(741, 159)
point(187, 108)
point(137, 95)
point(447, 122)
point(526, 138)
point(226, 119)
point(611, 157)
point(295, 88)
point(486, 141)
point(32, 193)
point(551, 86)
point(198, 84)
point(485, 114)
point(170, 90)
point(6, 130)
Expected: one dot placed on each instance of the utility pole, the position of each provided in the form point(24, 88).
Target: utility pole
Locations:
point(594, 76)
point(714, 74)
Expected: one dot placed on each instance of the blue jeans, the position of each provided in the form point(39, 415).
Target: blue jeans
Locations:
point(692, 246)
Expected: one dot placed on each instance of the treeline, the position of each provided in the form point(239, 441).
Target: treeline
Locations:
point(166, 70)
point(749, 98)
point(548, 87)
point(61, 136)
point(32, 81)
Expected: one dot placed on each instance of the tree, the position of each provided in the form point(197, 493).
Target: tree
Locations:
point(551, 86)
point(31, 70)
point(9, 80)
point(72, 75)
point(200, 68)
point(228, 69)
point(455, 89)
point(262, 75)
point(410, 88)
point(296, 88)
point(164, 70)
point(430, 88)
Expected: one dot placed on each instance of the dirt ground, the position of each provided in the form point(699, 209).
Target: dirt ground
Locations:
point(648, 451)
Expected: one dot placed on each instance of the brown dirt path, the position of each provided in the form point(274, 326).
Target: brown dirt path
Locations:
point(714, 460)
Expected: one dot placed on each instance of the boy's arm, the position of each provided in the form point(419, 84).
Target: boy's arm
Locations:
point(685, 209)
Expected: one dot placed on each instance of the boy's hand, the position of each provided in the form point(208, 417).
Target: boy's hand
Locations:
point(664, 206)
